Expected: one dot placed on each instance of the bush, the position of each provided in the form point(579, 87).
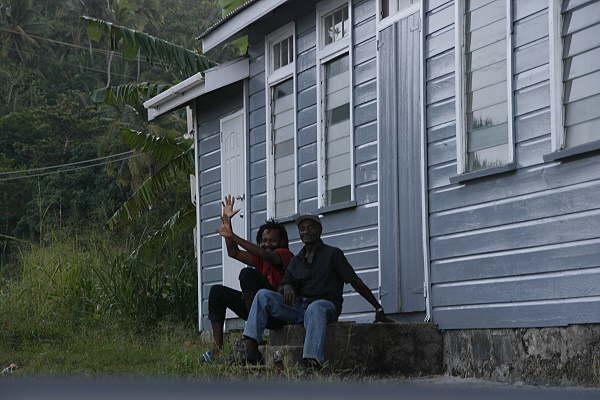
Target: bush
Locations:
point(77, 282)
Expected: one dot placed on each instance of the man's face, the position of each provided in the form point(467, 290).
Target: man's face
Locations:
point(310, 231)
point(270, 239)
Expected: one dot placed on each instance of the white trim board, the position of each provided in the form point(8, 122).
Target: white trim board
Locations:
point(197, 85)
point(274, 78)
point(239, 22)
point(324, 54)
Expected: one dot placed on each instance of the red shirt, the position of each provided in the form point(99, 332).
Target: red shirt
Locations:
point(273, 274)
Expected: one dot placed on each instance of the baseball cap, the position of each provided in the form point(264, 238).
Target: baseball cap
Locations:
point(308, 216)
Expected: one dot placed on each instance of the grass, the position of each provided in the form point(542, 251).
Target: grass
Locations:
point(170, 351)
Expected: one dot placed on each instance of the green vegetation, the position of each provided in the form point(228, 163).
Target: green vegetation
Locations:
point(74, 296)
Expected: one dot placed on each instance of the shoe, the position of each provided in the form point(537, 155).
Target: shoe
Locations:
point(241, 356)
point(208, 357)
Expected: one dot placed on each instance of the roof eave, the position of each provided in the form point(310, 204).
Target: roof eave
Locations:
point(197, 85)
point(232, 26)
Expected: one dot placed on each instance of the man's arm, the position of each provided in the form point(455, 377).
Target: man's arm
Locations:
point(271, 257)
point(349, 276)
point(366, 293)
point(233, 250)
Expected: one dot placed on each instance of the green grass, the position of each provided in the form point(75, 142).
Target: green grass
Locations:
point(170, 351)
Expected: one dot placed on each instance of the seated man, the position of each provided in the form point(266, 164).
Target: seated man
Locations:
point(312, 294)
point(267, 262)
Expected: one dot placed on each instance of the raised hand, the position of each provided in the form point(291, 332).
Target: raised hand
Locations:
point(225, 228)
point(227, 204)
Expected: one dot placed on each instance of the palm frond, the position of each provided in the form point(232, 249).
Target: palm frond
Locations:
point(129, 41)
point(149, 191)
point(160, 149)
point(183, 220)
point(128, 93)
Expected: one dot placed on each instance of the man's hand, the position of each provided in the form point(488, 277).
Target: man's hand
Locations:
point(380, 316)
point(225, 229)
point(227, 204)
point(289, 295)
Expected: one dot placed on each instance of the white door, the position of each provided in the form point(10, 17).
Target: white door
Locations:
point(233, 182)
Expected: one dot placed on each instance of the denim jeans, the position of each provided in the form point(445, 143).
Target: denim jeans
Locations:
point(315, 315)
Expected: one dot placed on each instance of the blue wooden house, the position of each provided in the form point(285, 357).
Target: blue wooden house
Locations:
point(452, 148)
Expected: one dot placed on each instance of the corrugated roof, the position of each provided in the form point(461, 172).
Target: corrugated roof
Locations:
point(227, 18)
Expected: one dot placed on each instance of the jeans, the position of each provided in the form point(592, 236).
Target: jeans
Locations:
point(315, 315)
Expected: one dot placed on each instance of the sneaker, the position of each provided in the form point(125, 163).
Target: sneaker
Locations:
point(208, 357)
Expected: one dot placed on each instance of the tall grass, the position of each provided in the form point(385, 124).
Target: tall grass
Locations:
point(73, 283)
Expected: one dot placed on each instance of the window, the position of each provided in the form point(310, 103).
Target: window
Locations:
point(336, 25)
point(283, 53)
point(576, 72)
point(485, 86)
point(282, 148)
point(335, 138)
point(337, 128)
point(281, 124)
point(391, 7)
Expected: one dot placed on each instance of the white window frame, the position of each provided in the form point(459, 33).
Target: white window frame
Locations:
point(460, 95)
point(326, 53)
point(396, 16)
point(273, 78)
point(557, 110)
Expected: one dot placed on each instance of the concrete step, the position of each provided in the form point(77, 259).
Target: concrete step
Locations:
point(279, 356)
point(412, 349)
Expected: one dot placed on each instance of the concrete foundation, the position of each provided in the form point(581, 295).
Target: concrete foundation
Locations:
point(411, 349)
point(567, 355)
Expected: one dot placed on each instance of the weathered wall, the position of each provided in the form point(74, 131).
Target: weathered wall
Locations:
point(355, 229)
point(210, 109)
point(559, 356)
point(519, 249)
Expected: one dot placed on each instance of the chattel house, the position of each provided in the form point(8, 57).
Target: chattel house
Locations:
point(451, 147)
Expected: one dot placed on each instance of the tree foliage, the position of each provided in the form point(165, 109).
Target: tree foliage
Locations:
point(131, 42)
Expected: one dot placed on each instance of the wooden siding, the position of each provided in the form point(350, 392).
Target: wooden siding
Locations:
point(354, 230)
point(210, 110)
point(517, 249)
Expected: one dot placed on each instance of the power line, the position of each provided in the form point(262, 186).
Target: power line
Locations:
point(77, 65)
point(77, 46)
point(24, 171)
point(69, 169)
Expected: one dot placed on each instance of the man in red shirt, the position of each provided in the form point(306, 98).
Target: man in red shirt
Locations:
point(267, 262)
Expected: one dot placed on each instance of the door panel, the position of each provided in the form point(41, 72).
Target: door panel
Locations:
point(402, 271)
point(233, 181)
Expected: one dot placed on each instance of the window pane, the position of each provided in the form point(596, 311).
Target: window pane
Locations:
point(291, 47)
point(384, 8)
point(284, 52)
point(282, 137)
point(581, 72)
point(276, 56)
point(485, 84)
point(336, 25)
point(337, 129)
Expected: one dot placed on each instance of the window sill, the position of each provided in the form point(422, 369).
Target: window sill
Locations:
point(289, 218)
point(577, 151)
point(336, 207)
point(482, 173)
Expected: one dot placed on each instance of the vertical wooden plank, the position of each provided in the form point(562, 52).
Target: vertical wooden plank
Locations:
point(388, 144)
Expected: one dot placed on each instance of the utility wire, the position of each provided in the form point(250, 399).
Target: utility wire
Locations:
point(75, 46)
point(69, 169)
point(102, 71)
point(24, 171)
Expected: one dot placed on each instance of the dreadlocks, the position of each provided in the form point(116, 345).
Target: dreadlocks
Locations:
point(273, 225)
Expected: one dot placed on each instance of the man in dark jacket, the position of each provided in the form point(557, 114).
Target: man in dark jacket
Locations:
point(312, 294)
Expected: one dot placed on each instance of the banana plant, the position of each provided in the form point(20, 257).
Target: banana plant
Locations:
point(173, 154)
